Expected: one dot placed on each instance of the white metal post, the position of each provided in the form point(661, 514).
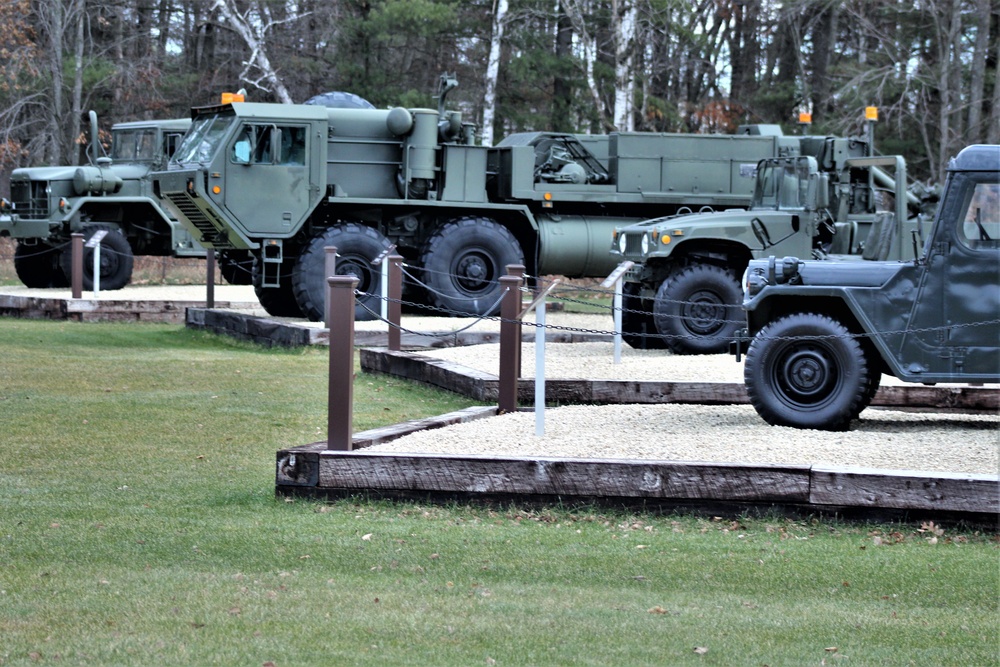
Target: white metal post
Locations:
point(385, 288)
point(617, 303)
point(97, 268)
point(540, 367)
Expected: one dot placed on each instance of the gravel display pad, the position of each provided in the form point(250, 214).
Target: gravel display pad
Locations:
point(881, 439)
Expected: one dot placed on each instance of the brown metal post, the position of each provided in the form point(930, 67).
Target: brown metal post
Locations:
point(395, 308)
point(518, 270)
point(340, 400)
point(76, 265)
point(210, 279)
point(510, 343)
point(330, 269)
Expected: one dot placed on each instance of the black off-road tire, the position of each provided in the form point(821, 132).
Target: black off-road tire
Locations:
point(357, 245)
point(277, 301)
point(37, 266)
point(116, 259)
point(463, 261)
point(805, 370)
point(697, 309)
point(638, 328)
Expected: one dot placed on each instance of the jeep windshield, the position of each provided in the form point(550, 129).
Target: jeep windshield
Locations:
point(203, 139)
point(782, 184)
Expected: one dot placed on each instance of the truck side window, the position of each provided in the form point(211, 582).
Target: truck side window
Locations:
point(980, 226)
point(254, 145)
point(293, 146)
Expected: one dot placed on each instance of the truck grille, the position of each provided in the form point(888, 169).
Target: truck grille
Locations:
point(633, 245)
point(30, 199)
point(204, 221)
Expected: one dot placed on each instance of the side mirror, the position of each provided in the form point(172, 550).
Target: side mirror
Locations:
point(822, 199)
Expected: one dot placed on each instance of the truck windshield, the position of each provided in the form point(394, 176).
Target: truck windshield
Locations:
point(202, 140)
point(782, 185)
point(134, 145)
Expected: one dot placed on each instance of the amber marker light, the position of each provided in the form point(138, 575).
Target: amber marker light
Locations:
point(216, 189)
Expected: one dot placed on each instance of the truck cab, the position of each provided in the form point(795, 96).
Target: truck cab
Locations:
point(820, 335)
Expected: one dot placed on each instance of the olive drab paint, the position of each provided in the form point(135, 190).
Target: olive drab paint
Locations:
point(456, 211)
point(112, 194)
point(821, 334)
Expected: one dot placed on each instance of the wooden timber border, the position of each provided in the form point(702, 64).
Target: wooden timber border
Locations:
point(104, 310)
point(314, 471)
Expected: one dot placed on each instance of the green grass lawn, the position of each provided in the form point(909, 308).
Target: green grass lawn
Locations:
point(139, 527)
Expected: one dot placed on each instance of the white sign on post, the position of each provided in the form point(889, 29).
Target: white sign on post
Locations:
point(616, 279)
point(383, 259)
point(95, 243)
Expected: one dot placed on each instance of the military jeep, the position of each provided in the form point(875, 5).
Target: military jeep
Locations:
point(820, 334)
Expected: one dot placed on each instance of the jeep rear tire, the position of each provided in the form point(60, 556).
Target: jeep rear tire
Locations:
point(806, 371)
point(697, 310)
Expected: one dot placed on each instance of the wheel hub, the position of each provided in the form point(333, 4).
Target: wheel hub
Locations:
point(473, 272)
point(704, 313)
point(806, 373)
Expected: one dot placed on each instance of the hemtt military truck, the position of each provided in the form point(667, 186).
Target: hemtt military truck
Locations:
point(683, 291)
point(285, 181)
point(821, 334)
point(113, 194)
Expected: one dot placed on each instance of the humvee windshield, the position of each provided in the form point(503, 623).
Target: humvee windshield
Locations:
point(204, 138)
point(134, 145)
point(782, 185)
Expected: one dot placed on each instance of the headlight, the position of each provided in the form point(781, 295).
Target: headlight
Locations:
point(645, 244)
point(621, 243)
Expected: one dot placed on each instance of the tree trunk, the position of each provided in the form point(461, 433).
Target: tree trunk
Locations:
point(252, 33)
point(493, 71)
point(76, 113)
point(561, 92)
point(623, 30)
point(978, 83)
point(56, 27)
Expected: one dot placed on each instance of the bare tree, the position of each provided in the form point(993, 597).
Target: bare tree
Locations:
point(252, 26)
point(493, 70)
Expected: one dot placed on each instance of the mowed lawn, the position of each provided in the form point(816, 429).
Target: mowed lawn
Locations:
point(139, 526)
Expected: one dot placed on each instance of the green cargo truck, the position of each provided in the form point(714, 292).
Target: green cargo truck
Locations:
point(112, 193)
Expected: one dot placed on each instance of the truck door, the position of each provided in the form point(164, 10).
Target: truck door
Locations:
point(959, 291)
point(268, 186)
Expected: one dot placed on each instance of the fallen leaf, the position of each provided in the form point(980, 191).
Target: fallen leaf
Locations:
point(701, 650)
point(830, 649)
point(366, 537)
point(235, 611)
point(657, 610)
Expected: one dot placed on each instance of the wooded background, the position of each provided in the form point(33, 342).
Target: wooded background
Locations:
point(931, 66)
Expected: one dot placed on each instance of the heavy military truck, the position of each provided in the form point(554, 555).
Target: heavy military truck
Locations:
point(822, 334)
point(286, 181)
point(113, 194)
point(683, 291)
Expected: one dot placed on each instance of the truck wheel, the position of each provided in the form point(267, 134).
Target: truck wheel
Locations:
point(463, 261)
point(277, 301)
point(697, 309)
point(357, 245)
point(37, 266)
point(236, 267)
point(638, 327)
point(806, 371)
point(116, 260)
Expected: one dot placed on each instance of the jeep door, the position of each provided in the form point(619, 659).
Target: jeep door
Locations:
point(958, 301)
